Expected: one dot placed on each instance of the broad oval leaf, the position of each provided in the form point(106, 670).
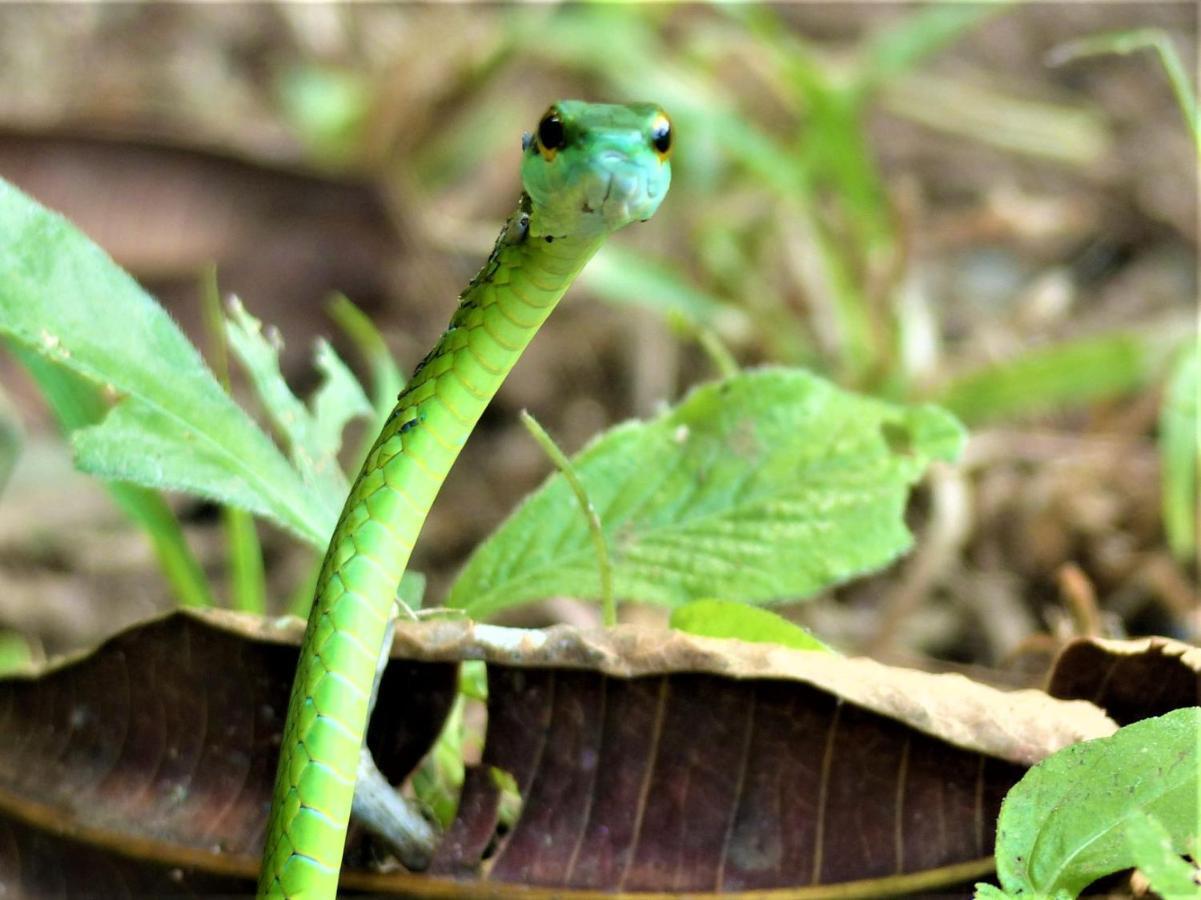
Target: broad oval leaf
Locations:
point(1063, 825)
point(63, 298)
point(769, 485)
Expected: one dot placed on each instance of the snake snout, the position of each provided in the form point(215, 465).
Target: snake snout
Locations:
point(620, 186)
point(618, 189)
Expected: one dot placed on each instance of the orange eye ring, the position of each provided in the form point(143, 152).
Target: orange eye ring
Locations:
point(551, 135)
point(661, 136)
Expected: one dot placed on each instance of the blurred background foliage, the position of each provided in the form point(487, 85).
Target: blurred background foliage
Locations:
point(911, 199)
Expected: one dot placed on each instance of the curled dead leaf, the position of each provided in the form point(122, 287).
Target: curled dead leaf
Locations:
point(1130, 680)
point(648, 761)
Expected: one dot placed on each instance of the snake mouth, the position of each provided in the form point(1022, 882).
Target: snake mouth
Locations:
point(619, 194)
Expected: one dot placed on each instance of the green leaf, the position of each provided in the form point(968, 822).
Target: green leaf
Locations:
point(1180, 454)
point(992, 892)
point(726, 619)
point(1063, 825)
point(11, 437)
point(767, 486)
point(312, 438)
point(438, 782)
point(1048, 378)
point(386, 378)
point(16, 653)
point(1151, 849)
point(338, 400)
point(173, 426)
point(986, 891)
point(411, 590)
point(78, 403)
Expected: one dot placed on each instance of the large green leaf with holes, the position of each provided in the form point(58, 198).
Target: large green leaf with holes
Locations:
point(767, 486)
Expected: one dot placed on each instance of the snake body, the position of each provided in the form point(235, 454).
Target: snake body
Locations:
point(587, 170)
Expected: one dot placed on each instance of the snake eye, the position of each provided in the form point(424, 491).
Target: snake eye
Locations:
point(551, 136)
point(661, 135)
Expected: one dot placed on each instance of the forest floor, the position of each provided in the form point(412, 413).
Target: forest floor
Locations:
point(1027, 205)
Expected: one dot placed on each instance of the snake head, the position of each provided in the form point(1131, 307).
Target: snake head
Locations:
point(590, 168)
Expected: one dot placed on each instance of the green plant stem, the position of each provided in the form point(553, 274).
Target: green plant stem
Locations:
point(563, 464)
point(1127, 42)
point(179, 565)
point(11, 438)
point(17, 652)
point(719, 354)
point(247, 582)
point(302, 595)
point(1180, 453)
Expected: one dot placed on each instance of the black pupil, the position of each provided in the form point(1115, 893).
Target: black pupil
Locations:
point(661, 137)
point(550, 132)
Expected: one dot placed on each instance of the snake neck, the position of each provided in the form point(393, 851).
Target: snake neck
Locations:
point(497, 316)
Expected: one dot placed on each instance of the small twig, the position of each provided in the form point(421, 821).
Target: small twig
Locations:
point(1080, 598)
point(719, 354)
point(378, 805)
point(391, 817)
point(563, 464)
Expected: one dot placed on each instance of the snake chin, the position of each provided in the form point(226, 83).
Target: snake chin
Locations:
point(619, 198)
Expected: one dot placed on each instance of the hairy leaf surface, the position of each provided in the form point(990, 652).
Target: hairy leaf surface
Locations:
point(1063, 825)
point(312, 436)
point(63, 298)
point(770, 485)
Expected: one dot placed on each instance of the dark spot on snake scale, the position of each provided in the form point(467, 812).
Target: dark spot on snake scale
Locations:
point(425, 360)
point(550, 238)
point(411, 424)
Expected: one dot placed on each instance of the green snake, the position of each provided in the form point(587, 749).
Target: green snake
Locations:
point(587, 170)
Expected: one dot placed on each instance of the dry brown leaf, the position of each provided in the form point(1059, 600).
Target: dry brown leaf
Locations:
point(647, 761)
point(1130, 680)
